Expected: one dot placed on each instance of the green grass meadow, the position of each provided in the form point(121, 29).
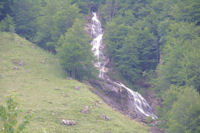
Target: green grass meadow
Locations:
point(42, 88)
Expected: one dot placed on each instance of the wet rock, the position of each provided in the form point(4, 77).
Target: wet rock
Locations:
point(77, 87)
point(69, 122)
point(104, 117)
point(85, 110)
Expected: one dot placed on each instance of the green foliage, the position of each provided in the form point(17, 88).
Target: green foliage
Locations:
point(131, 46)
point(170, 97)
point(5, 8)
point(122, 51)
point(151, 28)
point(55, 19)
point(180, 57)
point(187, 10)
point(43, 22)
point(183, 112)
point(149, 120)
point(83, 5)
point(141, 34)
point(88, 5)
point(75, 52)
point(25, 13)
point(178, 71)
point(7, 24)
point(9, 115)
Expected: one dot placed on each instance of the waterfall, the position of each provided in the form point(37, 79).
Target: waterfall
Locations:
point(140, 104)
point(97, 34)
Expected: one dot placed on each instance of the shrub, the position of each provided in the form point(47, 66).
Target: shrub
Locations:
point(9, 116)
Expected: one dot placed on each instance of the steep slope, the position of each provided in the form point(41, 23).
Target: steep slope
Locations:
point(38, 80)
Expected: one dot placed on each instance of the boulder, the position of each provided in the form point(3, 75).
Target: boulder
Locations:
point(43, 62)
point(15, 61)
point(69, 122)
point(77, 87)
point(97, 105)
point(85, 110)
point(18, 62)
point(104, 117)
point(21, 63)
point(15, 68)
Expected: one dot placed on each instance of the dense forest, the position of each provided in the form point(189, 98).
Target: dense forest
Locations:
point(153, 40)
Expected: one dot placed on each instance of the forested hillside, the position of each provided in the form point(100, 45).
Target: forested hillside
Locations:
point(160, 41)
point(154, 41)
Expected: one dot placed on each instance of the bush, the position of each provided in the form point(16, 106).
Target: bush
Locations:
point(7, 24)
point(9, 116)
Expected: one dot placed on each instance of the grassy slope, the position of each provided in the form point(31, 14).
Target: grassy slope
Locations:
point(43, 89)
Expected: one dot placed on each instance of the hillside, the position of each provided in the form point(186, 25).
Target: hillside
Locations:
point(39, 83)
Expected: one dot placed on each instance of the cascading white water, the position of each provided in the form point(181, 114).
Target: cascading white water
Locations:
point(140, 103)
point(136, 99)
point(97, 33)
